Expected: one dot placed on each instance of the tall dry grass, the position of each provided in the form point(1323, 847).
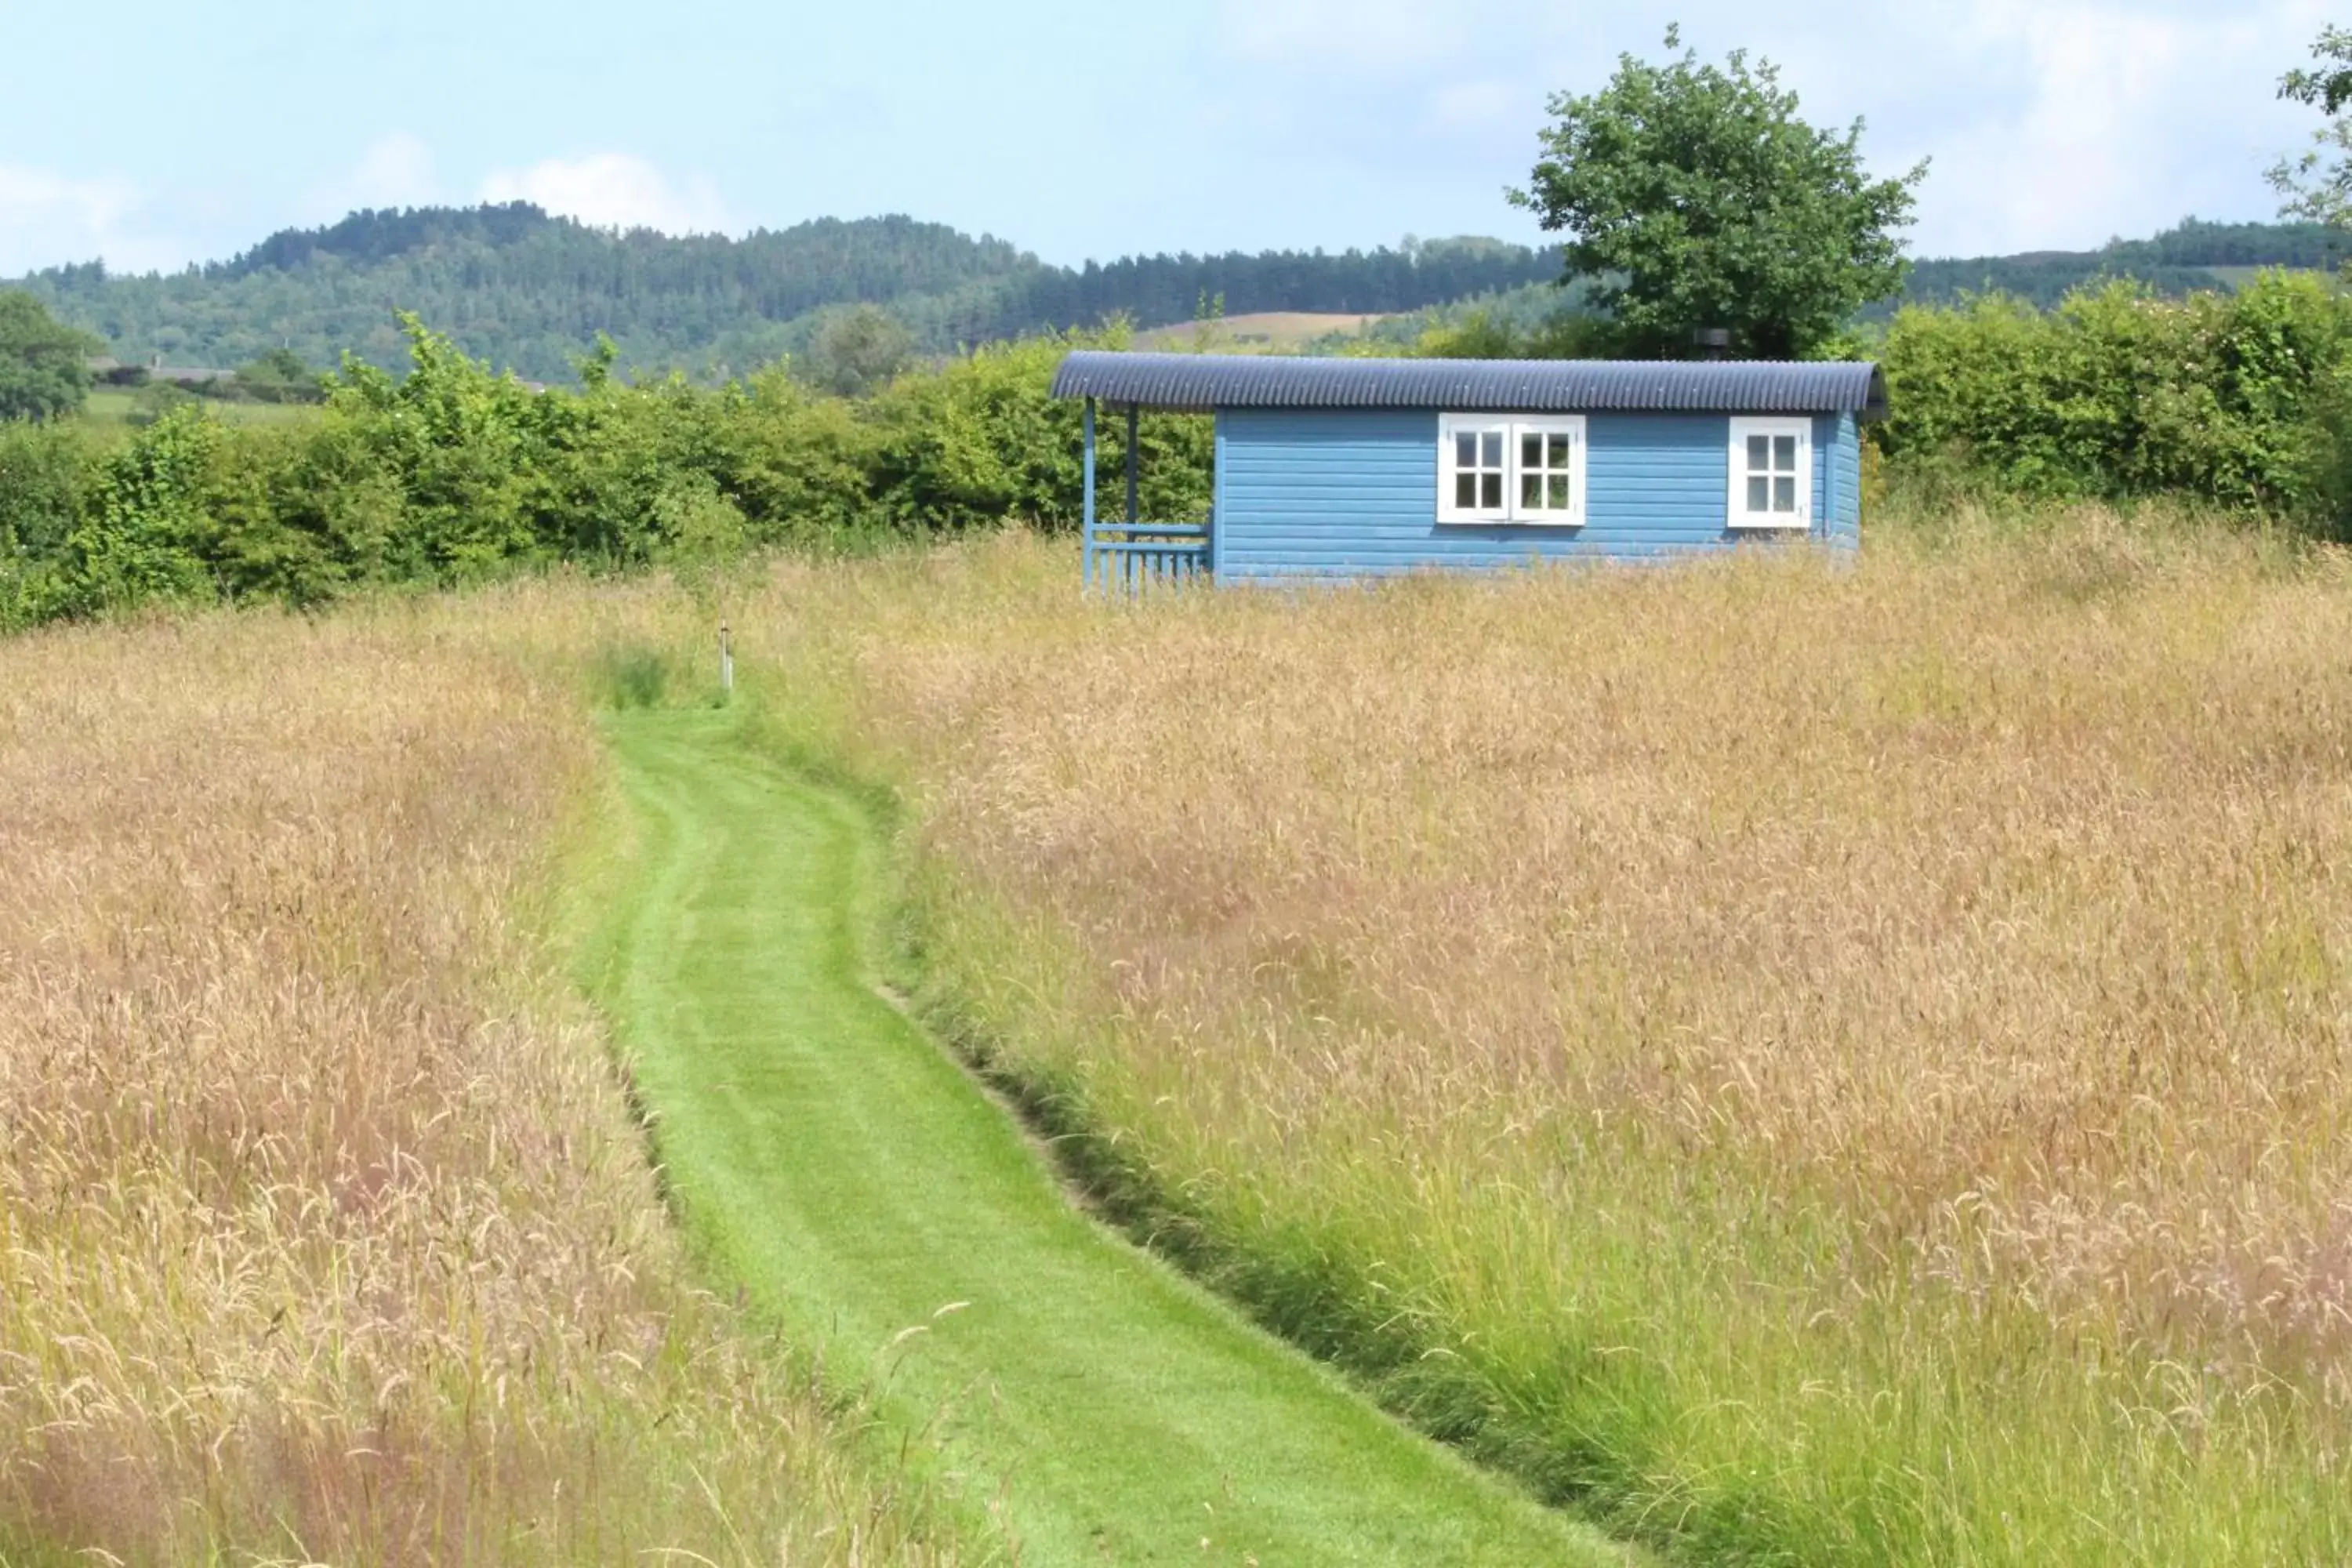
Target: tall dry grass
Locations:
point(1822, 1064)
point(325, 1232)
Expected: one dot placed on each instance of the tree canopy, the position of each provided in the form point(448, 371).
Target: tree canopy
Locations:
point(43, 365)
point(2318, 185)
point(1699, 199)
point(857, 351)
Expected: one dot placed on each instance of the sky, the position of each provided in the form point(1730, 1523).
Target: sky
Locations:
point(154, 134)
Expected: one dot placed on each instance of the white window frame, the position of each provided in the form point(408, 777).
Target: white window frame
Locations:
point(1736, 514)
point(1449, 427)
point(1513, 428)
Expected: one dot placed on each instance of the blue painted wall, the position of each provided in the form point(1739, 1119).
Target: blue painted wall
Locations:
point(1354, 493)
point(1838, 438)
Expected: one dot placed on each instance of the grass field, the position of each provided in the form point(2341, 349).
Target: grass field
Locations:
point(1264, 331)
point(326, 1233)
point(113, 406)
point(835, 1162)
point(2238, 277)
point(1812, 1065)
point(1821, 1066)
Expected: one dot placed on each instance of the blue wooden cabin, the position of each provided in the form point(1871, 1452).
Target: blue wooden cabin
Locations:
point(1347, 468)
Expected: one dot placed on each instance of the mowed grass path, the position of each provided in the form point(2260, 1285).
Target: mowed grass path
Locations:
point(847, 1175)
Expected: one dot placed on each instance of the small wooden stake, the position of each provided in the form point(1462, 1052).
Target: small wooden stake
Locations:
point(726, 661)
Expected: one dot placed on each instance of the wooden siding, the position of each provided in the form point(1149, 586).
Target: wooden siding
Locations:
point(1837, 448)
point(1354, 494)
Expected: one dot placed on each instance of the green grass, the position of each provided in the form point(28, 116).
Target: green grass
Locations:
point(2238, 277)
point(110, 405)
point(840, 1170)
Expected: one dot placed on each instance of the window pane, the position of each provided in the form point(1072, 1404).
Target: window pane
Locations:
point(1760, 454)
point(1531, 489)
point(1491, 450)
point(1784, 454)
point(1560, 443)
point(1559, 496)
point(1531, 450)
point(1759, 493)
point(1466, 448)
point(1490, 489)
point(1465, 490)
point(1784, 494)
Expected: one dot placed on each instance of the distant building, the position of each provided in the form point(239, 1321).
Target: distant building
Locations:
point(113, 371)
point(184, 375)
point(107, 371)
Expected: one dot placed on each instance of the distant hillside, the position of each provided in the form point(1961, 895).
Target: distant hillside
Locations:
point(1265, 332)
point(530, 290)
point(2181, 261)
point(2193, 255)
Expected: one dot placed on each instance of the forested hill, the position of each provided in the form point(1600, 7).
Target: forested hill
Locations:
point(531, 291)
point(2195, 255)
point(528, 290)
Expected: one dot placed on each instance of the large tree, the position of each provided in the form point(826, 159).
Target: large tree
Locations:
point(2318, 185)
point(44, 369)
point(857, 352)
point(1698, 198)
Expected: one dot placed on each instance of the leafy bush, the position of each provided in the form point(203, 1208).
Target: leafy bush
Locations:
point(2236, 398)
point(797, 464)
point(145, 525)
point(453, 474)
point(980, 440)
point(43, 476)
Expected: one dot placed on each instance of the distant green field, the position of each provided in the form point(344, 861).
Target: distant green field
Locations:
point(2238, 277)
point(115, 406)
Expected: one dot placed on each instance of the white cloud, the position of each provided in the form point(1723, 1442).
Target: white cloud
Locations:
point(1476, 105)
point(44, 217)
point(2128, 119)
point(2050, 123)
point(1342, 36)
point(614, 190)
point(396, 171)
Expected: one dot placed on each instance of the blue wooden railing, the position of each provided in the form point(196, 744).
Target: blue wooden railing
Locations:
point(1136, 557)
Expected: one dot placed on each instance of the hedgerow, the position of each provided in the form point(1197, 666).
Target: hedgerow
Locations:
point(453, 474)
point(2236, 398)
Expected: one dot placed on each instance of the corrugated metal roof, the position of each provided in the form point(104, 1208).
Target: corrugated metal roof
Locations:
point(1204, 382)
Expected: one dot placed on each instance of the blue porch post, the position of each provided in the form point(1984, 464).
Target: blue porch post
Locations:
point(1216, 542)
point(1087, 571)
point(1133, 569)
